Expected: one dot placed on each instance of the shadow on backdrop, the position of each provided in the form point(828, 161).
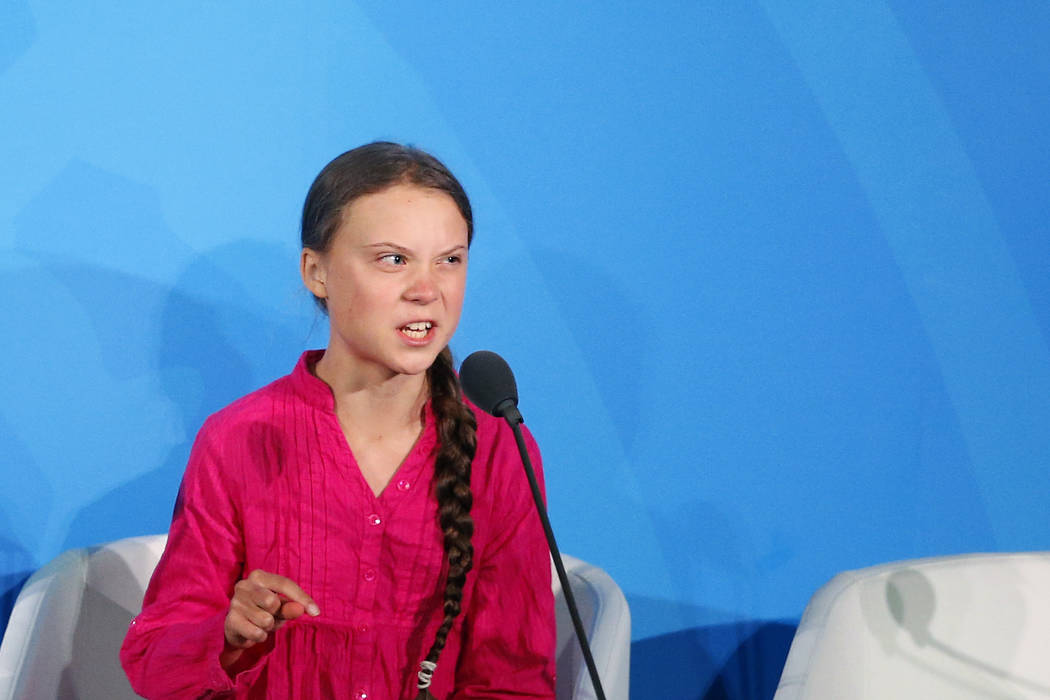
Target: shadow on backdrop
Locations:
point(168, 335)
point(734, 661)
point(19, 31)
point(23, 514)
point(16, 566)
point(210, 345)
point(610, 328)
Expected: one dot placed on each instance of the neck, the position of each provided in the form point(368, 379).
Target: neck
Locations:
point(373, 397)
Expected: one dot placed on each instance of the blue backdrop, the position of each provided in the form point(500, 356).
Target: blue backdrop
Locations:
point(773, 275)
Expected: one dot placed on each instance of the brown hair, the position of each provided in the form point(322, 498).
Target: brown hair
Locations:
point(365, 170)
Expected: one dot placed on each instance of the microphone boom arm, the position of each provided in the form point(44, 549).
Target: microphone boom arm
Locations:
point(513, 417)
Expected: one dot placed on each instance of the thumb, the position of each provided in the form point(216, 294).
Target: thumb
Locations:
point(290, 609)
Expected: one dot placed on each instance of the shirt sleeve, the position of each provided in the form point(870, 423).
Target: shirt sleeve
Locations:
point(172, 648)
point(509, 632)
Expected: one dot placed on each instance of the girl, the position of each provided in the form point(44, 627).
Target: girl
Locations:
point(356, 529)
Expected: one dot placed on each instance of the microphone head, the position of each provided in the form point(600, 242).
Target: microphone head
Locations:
point(488, 382)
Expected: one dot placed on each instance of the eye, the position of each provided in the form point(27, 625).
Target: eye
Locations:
point(393, 259)
point(452, 259)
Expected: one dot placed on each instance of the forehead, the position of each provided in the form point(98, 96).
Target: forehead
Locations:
point(407, 213)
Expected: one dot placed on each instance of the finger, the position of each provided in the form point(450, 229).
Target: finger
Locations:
point(252, 594)
point(240, 632)
point(286, 587)
point(290, 610)
point(241, 642)
point(255, 615)
point(263, 599)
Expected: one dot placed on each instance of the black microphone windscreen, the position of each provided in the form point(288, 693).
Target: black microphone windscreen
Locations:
point(487, 381)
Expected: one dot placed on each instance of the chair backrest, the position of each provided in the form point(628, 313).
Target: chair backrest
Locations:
point(607, 621)
point(70, 618)
point(970, 626)
point(65, 631)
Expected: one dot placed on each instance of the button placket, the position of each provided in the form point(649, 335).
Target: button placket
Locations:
point(371, 548)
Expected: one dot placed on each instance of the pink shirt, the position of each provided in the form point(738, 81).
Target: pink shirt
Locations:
point(271, 484)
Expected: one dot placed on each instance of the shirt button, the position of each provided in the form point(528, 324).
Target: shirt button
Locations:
point(404, 485)
point(374, 519)
point(361, 695)
point(370, 574)
point(362, 628)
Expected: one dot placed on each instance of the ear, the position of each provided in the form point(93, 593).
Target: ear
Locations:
point(313, 271)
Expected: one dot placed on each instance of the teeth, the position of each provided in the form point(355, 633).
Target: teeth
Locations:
point(418, 329)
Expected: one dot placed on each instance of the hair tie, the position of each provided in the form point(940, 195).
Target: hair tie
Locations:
point(426, 671)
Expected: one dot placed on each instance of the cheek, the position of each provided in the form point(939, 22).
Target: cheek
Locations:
point(365, 308)
point(454, 296)
point(355, 296)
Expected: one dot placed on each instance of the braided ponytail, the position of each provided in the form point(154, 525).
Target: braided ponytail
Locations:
point(457, 433)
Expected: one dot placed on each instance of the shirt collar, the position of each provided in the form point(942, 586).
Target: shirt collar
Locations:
point(313, 390)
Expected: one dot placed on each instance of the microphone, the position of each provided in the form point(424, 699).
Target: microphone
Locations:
point(489, 383)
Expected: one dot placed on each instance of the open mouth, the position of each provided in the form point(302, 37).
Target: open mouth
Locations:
point(417, 330)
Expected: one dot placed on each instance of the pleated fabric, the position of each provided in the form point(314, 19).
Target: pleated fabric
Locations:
point(272, 484)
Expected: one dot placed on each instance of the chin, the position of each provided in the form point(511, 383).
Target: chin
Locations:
point(417, 365)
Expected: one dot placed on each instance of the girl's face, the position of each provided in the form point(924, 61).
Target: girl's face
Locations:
point(393, 280)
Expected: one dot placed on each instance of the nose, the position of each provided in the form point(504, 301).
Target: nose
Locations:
point(423, 289)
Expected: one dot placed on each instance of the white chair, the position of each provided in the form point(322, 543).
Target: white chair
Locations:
point(65, 631)
point(960, 627)
point(607, 621)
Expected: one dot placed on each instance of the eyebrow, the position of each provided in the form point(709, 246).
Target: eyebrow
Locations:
point(403, 249)
point(387, 244)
